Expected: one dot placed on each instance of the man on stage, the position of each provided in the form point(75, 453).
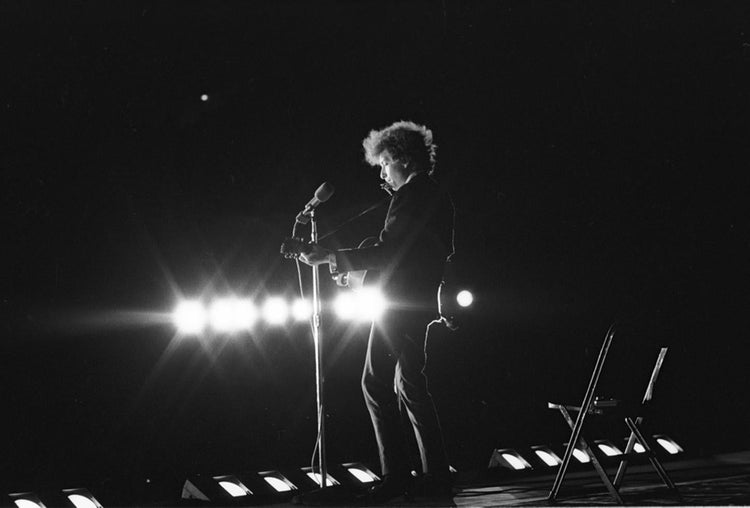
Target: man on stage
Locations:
point(414, 244)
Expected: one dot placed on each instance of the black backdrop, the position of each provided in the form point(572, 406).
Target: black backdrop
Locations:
point(596, 154)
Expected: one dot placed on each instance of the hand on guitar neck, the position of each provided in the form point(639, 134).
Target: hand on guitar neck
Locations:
point(309, 253)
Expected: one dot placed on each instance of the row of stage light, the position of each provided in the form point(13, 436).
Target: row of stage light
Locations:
point(240, 315)
point(510, 458)
point(265, 486)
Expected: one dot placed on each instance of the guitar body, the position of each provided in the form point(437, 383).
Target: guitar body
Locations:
point(359, 279)
point(355, 280)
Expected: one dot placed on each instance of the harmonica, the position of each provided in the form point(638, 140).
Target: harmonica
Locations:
point(386, 188)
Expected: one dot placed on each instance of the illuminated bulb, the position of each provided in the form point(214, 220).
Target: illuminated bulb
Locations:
point(232, 488)
point(581, 456)
point(671, 447)
point(370, 304)
point(204, 97)
point(275, 311)
point(547, 457)
point(464, 298)
point(27, 503)
point(514, 461)
point(80, 501)
point(301, 310)
point(232, 314)
point(345, 305)
point(189, 317)
point(360, 475)
point(330, 481)
point(277, 484)
point(609, 451)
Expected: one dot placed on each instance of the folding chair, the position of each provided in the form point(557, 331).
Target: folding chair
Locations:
point(591, 405)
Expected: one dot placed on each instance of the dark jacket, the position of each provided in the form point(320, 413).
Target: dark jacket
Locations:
point(415, 242)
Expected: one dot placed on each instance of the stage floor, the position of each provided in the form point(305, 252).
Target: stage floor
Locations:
point(716, 481)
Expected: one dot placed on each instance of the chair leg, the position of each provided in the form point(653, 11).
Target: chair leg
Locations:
point(652, 456)
point(594, 462)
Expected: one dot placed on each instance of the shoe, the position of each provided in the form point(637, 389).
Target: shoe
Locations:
point(392, 487)
point(433, 486)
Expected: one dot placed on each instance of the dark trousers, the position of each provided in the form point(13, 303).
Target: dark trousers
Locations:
point(394, 377)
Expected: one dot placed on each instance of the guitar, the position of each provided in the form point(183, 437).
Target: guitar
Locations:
point(291, 248)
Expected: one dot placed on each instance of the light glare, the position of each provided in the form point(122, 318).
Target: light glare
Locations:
point(232, 314)
point(189, 317)
point(365, 305)
point(275, 311)
point(465, 298)
point(301, 310)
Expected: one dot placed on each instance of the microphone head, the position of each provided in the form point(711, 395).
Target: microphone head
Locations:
point(324, 192)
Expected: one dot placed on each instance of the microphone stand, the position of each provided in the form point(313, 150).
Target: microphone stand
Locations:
point(319, 377)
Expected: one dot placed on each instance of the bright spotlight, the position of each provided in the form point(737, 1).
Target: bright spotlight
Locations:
point(370, 304)
point(465, 298)
point(204, 97)
point(28, 503)
point(361, 473)
point(233, 486)
point(301, 310)
point(581, 456)
point(278, 482)
point(669, 444)
point(608, 448)
point(316, 477)
point(365, 305)
point(232, 314)
point(275, 311)
point(189, 317)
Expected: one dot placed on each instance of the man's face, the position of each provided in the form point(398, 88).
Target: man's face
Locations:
point(392, 171)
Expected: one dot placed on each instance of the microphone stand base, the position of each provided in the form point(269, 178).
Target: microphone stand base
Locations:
point(328, 496)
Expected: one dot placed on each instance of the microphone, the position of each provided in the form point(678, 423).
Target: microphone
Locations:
point(322, 194)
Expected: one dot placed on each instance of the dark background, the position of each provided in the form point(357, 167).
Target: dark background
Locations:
point(597, 156)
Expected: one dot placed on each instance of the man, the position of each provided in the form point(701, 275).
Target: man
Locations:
point(413, 246)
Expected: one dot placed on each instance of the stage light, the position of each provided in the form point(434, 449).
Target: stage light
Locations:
point(581, 456)
point(361, 473)
point(233, 486)
point(548, 456)
point(609, 449)
point(509, 459)
point(204, 97)
point(189, 317)
point(638, 448)
point(370, 304)
point(277, 481)
point(345, 305)
point(330, 480)
point(365, 305)
point(464, 298)
point(301, 310)
point(668, 444)
point(275, 311)
point(82, 498)
point(28, 503)
point(232, 314)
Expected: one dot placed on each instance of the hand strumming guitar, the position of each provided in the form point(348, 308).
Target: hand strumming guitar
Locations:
point(316, 255)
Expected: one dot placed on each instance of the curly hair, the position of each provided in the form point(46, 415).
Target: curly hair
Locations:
point(405, 141)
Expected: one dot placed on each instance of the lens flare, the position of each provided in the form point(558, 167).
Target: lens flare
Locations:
point(190, 317)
